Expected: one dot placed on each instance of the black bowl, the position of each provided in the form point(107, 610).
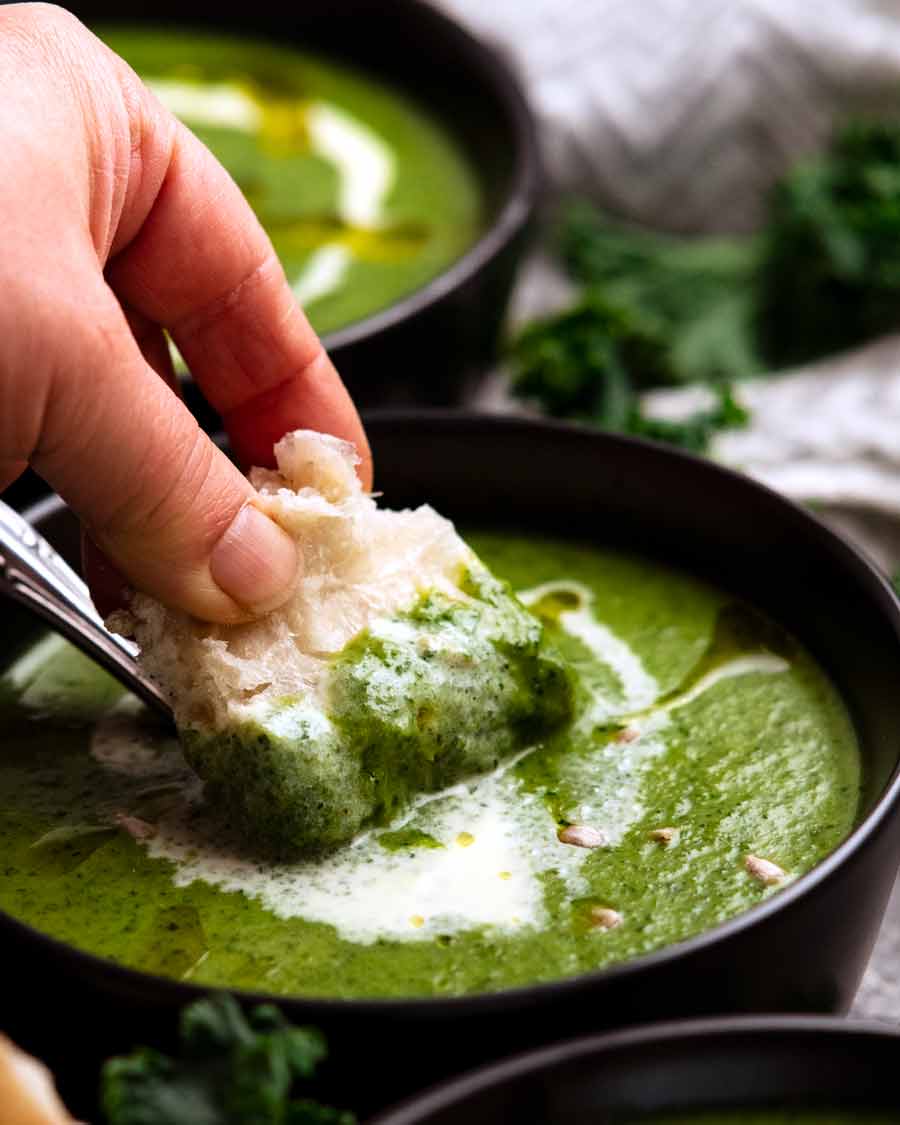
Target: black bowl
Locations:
point(802, 949)
point(428, 347)
point(715, 1065)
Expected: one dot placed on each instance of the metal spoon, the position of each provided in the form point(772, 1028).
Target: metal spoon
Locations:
point(33, 573)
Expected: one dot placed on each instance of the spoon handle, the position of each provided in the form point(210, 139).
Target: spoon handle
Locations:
point(32, 573)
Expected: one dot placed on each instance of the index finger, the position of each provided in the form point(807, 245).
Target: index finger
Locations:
point(201, 265)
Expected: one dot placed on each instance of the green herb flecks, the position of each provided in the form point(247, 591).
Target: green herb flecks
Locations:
point(407, 839)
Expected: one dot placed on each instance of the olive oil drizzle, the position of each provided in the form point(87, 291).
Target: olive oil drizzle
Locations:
point(742, 639)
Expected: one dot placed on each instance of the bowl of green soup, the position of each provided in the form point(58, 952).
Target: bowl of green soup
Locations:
point(389, 154)
point(756, 1071)
point(714, 830)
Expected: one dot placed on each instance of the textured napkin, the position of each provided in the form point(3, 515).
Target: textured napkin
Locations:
point(681, 113)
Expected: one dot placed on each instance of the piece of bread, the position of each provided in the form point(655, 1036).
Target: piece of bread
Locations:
point(400, 664)
point(27, 1093)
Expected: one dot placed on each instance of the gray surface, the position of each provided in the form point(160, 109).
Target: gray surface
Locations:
point(879, 994)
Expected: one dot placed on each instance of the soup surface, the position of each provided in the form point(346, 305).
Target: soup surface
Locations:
point(364, 195)
point(707, 746)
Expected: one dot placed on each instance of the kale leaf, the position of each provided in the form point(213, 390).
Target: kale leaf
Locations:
point(659, 309)
point(829, 275)
point(695, 432)
point(588, 362)
point(579, 363)
point(692, 297)
point(232, 1070)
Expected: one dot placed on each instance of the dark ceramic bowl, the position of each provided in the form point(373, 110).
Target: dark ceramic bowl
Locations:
point(803, 949)
point(786, 1063)
point(427, 347)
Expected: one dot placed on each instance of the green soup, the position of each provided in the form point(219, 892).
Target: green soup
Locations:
point(710, 762)
point(364, 195)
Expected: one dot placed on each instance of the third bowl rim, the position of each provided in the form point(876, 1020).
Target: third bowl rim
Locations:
point(442, 1095)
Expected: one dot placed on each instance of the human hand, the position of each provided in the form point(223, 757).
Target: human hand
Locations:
point(118, 223)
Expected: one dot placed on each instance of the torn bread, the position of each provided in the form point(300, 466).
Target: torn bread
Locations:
point(399, 665)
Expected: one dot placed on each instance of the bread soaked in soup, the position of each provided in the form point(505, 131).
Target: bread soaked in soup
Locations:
point(399, 666)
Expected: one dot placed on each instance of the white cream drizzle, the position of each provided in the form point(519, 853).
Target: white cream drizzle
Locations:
point(481, 876)
point(323, 273)
point(30, 663)
point(223, 105)
point(366, 171)
point(639, 688)
point(365, 165)
point(499, 842)
point(764, 662)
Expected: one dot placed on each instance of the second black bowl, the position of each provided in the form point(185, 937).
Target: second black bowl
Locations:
point(783, 1066)
point(429, 346)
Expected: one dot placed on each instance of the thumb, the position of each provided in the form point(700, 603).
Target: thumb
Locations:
point(157, 497)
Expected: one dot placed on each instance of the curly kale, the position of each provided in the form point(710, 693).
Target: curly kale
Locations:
point(588, 363)
point(695, 432)
point(655, 311)
point(664, 310)
point(578, 363)
point(232, 1070)
point(690, 299)
point(829, 275)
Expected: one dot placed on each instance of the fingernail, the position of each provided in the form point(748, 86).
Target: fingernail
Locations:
point(255, 562)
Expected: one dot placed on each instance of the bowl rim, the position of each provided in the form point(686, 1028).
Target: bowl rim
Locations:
point(499, 75)
point(443, 1095)
point(522, 996)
